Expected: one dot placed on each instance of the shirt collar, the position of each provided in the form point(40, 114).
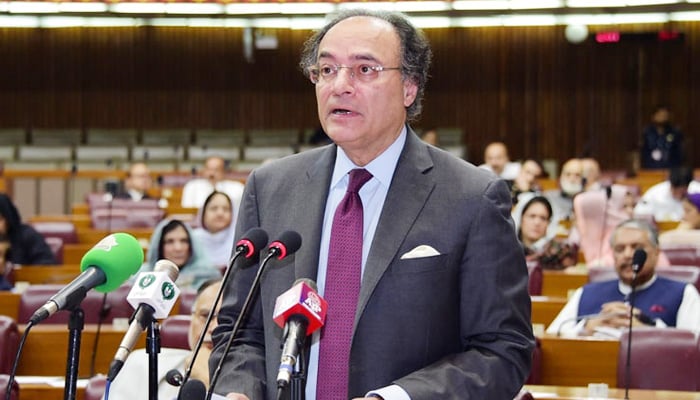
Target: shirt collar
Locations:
point(627, 289)
point(382, 168)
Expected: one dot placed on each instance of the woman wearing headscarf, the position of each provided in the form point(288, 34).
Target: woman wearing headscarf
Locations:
point(688, 230)
point(216, 229)
point(28, 246)
point(173, 240)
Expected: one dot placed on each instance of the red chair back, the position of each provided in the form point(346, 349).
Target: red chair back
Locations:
point(9, 342)
point(534, 283)
point(174, 332)
point(661, 359)
point(4, 379)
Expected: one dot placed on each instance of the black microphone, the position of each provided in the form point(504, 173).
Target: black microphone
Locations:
point(638, 259)
point(249, 247)
point(287, 244)
point(174, 377)
point(151, 302)
point(192, 390)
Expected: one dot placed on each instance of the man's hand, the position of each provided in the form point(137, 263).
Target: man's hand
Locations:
point(612, 315)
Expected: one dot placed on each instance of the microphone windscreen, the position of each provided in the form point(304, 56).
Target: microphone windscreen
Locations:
point(639, 258)
point(291, 241)
point(174, 377)
point(193, 389)
point(255, 239)
point(118, 255)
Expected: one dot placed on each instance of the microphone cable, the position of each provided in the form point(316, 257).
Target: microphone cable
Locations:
point(288, 244)
point(253, 240)
point(15, 364)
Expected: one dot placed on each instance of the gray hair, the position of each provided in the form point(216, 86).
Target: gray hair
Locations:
point(637, 224)
point(415, 50)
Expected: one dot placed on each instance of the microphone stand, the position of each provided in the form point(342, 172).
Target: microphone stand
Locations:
point(237, 324)
point(76, 324)
point(628, 363)
point(298, 381)
point(153, 348)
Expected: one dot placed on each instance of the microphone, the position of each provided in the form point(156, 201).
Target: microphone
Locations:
point(193, 390)
point(638, 259)
point(174, 377)
point(153, 296)
point(300, 311)
point(104, 267)
point(287, 244)
point(249, 246)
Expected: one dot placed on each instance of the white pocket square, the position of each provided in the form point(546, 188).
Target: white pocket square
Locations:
point(421, 251)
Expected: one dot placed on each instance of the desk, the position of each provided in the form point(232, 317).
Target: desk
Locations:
point(91, 236)
point(73, 253)
point(45, 391)
point(581, 393)
point(46, 349)
point(558, 283)
point(545, 309)
point(578, 361)
point(9, 304)
point(47, 274)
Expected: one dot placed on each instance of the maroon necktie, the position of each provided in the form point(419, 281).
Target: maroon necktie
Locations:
point(341, 292)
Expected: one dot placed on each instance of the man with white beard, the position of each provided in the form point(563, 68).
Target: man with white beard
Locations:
point(570, 184)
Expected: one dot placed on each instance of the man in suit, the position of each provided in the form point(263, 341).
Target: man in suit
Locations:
point(137, 183)
point(442, 311)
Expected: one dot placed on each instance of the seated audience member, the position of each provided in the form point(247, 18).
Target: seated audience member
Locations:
point(526, 181)
point(5, 265)
point(431, 136)
point(551, 253)
point(196, 191)
point(570, 184)
point(217, 226)
point(596, 214)
point(173, 240)
point(137, 183)
point(28, 246)
point(602, 307)
point(590, 173)
point(688, 230)
point(132, 381)
point(663, 200)
point(497, 161)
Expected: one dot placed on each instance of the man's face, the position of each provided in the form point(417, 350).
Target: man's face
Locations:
point(139, 178)
point(200, 312)
point(496, 157)
point(213, 169)
point(571, 177)
point(626, 241)
point(363, 117)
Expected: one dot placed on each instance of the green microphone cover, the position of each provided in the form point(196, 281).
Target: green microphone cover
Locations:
point(118, 255)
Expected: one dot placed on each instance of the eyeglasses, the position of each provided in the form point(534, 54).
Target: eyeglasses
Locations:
point(363, 72)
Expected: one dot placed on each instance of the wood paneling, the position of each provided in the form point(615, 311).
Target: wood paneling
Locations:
point(526, 86)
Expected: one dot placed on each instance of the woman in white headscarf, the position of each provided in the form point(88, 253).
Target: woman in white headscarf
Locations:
point(216, 228)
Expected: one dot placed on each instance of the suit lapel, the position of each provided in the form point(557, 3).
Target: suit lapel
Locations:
point(309, 209)
point(410, 188)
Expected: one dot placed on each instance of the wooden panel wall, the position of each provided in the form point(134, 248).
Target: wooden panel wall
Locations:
point(526, 86)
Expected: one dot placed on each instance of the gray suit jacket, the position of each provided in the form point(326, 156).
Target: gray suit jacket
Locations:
point(453, 326)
